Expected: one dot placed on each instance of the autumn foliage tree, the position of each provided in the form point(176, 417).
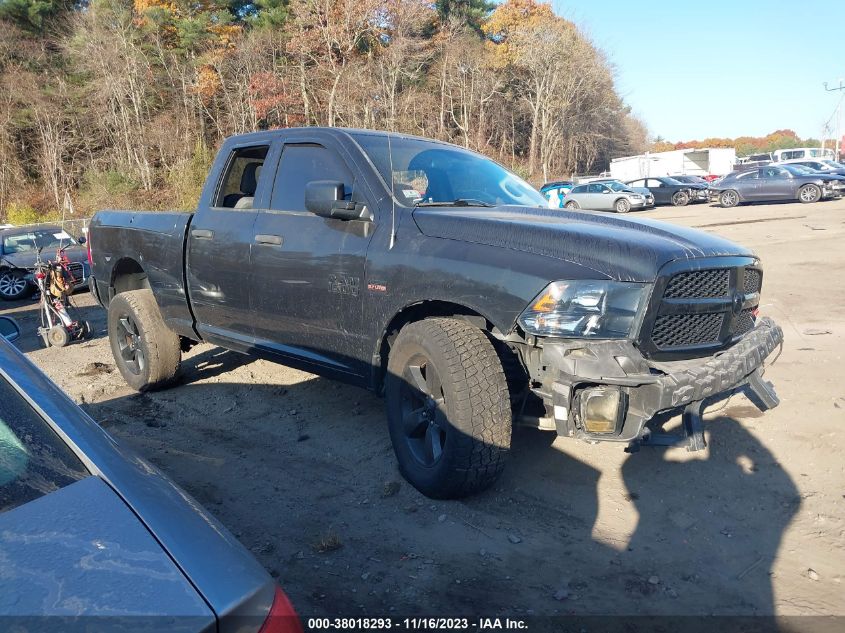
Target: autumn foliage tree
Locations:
point(122, 102)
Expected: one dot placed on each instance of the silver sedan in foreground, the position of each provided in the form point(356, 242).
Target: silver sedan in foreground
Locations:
point(94, 538)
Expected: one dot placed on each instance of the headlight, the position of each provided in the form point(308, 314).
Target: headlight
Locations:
point(584, 309)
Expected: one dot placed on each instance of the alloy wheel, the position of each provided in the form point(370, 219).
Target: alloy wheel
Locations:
point(424, 421)
point(129, 343)
point(11, 284)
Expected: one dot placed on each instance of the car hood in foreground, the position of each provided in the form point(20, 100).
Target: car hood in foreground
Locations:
point(624, 249)
point(80, 552)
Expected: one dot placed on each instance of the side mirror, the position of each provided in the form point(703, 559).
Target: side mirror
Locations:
point(326, 199)
point(81, 239)
point(9, 329)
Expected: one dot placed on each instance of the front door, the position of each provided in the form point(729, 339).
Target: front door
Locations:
point(308, 271)
point(218, 250)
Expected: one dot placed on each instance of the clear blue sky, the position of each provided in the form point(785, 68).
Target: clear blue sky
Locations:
point(721, 68)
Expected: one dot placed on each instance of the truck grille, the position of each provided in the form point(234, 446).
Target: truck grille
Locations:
point(77, 271)
point(699, 311)
point(699, 283)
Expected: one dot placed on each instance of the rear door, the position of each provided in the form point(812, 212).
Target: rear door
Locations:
point(308, 270)
point(220, 239)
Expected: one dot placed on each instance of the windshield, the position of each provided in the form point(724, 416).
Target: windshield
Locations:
point(834, 164)
point(425, 172)
point(671, 181)
point(46, 239)
point(615, 185)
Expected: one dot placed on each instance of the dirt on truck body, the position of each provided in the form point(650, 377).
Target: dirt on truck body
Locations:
point(433, 275)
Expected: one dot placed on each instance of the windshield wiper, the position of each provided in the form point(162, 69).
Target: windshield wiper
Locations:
point(458, 202)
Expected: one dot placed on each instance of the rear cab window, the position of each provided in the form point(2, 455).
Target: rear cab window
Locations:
point(241, 178)
point(34, 460)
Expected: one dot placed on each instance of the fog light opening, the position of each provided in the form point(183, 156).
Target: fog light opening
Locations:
point(602, 410)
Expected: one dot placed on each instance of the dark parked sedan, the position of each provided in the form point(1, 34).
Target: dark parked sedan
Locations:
point(18, 251)
point(667, 190)
point(822, 165)
point(772, 183)
point(97, 539)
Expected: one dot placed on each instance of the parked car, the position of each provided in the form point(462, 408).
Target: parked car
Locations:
point(772, 183)
point(837, 181)
point(618, 185)
point(824, 166)
point(432, 274)
point(690, 180)
point(18, 251)
point(605, 196)
point(88, 528)
point(667, 190)
point(555, 192)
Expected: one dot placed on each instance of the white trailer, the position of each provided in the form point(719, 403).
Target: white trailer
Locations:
point(694, 162)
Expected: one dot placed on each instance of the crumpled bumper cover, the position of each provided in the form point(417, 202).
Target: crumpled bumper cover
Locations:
point(650, 387)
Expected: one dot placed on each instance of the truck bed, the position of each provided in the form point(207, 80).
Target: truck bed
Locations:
point(156, 241)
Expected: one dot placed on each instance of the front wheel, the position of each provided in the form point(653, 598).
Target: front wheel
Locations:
point(809, 193)
point(572, 205)
point(680, 199)
point(13, 285)
point(448, 408)
point(622, 206)
point(145, 350)
point(729, 198)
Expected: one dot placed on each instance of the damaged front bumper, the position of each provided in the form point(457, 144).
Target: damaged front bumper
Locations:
point(607, 390)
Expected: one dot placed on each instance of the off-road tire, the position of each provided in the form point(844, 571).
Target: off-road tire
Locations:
point(622, 205)
point(729, 198)
point(809, 193)
point(476, 408)
point(680, 199)
point(158, 343)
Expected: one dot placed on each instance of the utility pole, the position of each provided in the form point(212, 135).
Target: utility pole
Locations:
point(839, 88)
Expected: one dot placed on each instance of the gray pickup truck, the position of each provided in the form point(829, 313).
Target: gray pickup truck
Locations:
point(434, 276)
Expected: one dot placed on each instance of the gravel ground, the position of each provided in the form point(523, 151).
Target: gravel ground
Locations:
point(301, 470)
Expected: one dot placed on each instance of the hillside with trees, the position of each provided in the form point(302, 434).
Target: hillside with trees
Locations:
point(115, 103)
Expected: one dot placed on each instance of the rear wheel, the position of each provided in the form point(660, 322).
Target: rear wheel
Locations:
point(572, 205)
point(729, 198)
point(145, 350)
point(622, 205)
point(680, 199)
point(448, 408)
point(809, 193)
point(13, 285)
point(58, 336)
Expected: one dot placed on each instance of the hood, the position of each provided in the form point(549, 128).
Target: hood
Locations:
point(76, 253)
point(619, 248)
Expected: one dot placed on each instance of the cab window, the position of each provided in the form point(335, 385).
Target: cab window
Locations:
point(240, 183)
point(299, 165)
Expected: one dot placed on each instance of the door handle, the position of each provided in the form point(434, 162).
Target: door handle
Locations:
point(202, 234)
point(270, 240)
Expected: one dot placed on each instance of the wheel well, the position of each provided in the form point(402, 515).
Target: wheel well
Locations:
point(127, 275)
point(418, 312)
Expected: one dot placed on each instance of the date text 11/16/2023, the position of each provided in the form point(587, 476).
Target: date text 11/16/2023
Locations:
point(416, 624)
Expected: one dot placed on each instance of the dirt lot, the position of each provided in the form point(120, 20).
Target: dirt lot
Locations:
point(301, 470)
